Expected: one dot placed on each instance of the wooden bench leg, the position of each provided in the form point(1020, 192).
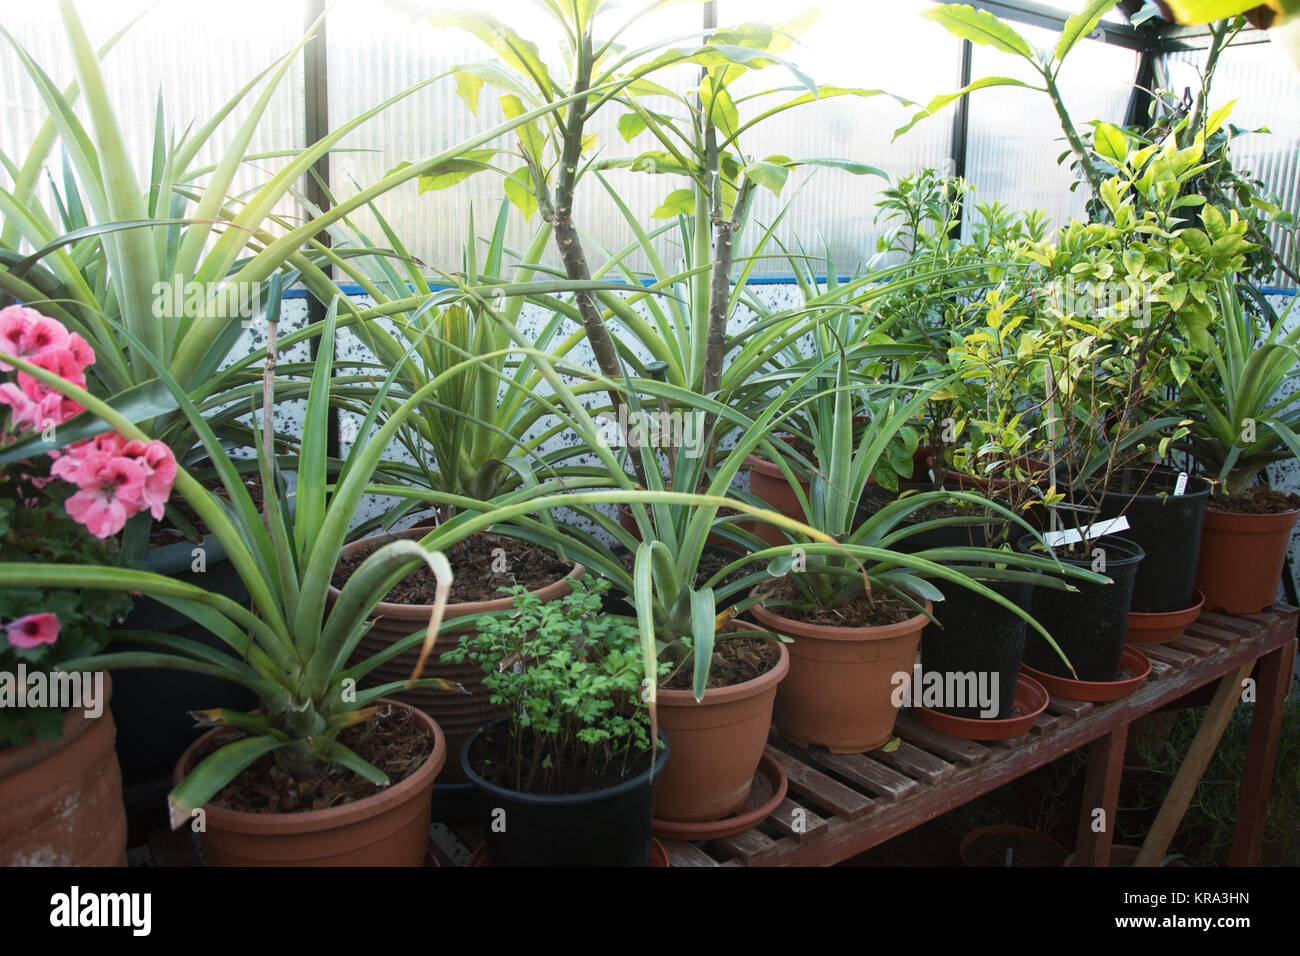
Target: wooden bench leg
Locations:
point(1190, 771)
point(1100, 792)
point(1273, 680)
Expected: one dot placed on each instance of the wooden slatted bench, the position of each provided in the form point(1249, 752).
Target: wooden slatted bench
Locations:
point(852, 803)
point(841, 805)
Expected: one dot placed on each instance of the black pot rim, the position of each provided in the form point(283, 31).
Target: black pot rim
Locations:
point(1193, 481)
point(566, 799)
point(1135, 551)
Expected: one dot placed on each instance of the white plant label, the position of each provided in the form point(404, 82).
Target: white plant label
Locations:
point(1054, 539)
point(1181, 485)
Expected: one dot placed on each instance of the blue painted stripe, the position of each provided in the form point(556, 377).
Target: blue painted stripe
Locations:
point(350, 289)
point(755, 280)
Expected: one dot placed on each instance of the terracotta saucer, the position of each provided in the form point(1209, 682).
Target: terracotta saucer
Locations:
point(1098, 692)
point(1030, 700)
point(768, 790)
point(1144, 628)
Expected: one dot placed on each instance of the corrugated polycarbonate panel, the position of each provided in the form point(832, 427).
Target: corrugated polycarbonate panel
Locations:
point(377, 51)
point(1266, 89)
point(198, 55)
point(1015, 135)
point(857, 46)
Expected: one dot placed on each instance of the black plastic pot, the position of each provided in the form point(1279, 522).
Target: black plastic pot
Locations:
point(1168, 529)
point(956, 535)
point(151, 707)
point(1089, 624)
point(978, 637)
point(609, 827)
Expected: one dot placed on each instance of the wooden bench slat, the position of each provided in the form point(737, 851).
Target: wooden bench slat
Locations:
point(1202, 629)
point(1045, 722)
point(1160, 670)
point(875, 778)
point(747, 844)
point(1227, 622)
point(966, 752)
point(681, 853)
point(1168, 655)
point(1263, 619)
point(796, 821)
point(1065, 707)
point(819, 788)
point(1195, 645)
point(915, 763)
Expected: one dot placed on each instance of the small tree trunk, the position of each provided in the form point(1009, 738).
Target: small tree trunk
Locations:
point(719, 299)
point(567, 241)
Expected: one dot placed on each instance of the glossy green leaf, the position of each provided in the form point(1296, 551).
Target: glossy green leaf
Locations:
point(1081, 25)
point(978, 26)
point(680, 202)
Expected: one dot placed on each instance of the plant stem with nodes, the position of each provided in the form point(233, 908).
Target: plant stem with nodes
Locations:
point(559, 213)
point(268, 407)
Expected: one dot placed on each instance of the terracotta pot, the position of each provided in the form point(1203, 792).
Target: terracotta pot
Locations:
point(458, 715)
point(1041, 845)
point(429, 521)
point(390, 828)
point(1151, 628)
point(61, 800)
point(839, 692)
point(715, 745)
point(1241, 559)
point(768, 484)
point(969, 482)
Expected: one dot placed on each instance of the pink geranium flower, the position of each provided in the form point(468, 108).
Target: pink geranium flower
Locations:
point(44, 342)
point(80, 351)
point(28, 334)
point(159, 465)
point(33, 409)
point(14, 323)
point(59, 361)
point(25, 413)
point(44, 333)
point(115, 478)
point(110, 492)
point(33, 630)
